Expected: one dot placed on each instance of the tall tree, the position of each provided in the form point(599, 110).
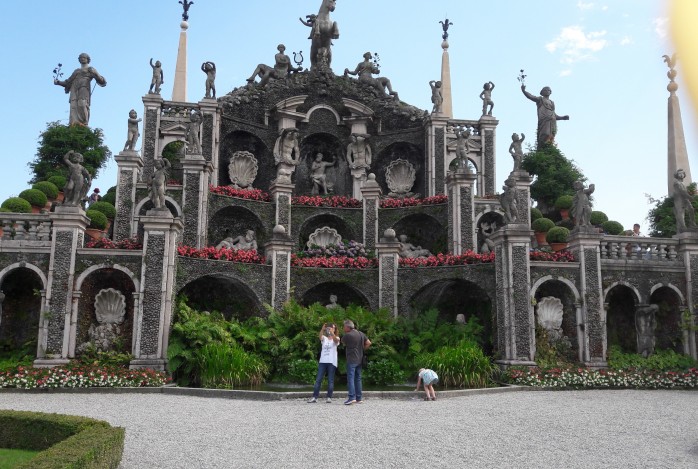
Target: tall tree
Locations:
point(661, 216)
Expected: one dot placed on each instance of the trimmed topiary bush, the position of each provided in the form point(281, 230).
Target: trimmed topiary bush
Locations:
point(110, 196)
point(105, 207)
point(535, 214)
point(58, 180)
point(35, 197)
point(598, 218)
point(48, 188)
point(17, 205)
point(564, 202)
point(98, 220)
point(557, 234)
point(612, 227)
point(542, 225)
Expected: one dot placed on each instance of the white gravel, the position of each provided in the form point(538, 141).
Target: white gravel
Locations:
point(572, 429)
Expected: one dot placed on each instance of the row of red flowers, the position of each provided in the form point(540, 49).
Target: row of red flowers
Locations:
point(560, 256)
point(250, 194)
point(80, 376)
point(338, 201)
point(337, 262)
point(223, 254)
point(131, 244)
point(390, 202)
point(468, 257)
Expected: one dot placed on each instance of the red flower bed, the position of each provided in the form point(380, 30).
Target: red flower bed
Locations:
point(339, 201)
point(250, 194)
point(413, 201)
point(468, 257)
point(546, 256)
point(131, 244)
point(174, 182)
point(223, 254)
point(337, 262)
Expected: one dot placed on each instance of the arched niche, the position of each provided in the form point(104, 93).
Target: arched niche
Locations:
point(225, 294)
point(621, 302)
point(668, 334)
point(423, 230)
point(233, 222)
point(327, 219)
point(20, 311)
point(338, 175)
point(346, 295)
point(487, 224)
point(174, 152)
point(245, 141)
point(570, 312)
point(405, 151)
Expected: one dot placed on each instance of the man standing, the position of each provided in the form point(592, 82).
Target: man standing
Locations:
point(355, 343)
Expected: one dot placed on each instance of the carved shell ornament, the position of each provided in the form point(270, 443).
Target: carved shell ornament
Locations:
point(242, 169)
point(110, 306)
point(550, 313)
point(400, 176)
point(324, 237)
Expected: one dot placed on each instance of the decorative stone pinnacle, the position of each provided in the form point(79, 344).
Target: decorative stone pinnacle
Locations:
point(185, 5)
point(445, 24)
point(671, 63)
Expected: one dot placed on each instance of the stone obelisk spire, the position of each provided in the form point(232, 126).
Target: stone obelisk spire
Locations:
point(677, 156)
point(179, 90)
point(447, 107)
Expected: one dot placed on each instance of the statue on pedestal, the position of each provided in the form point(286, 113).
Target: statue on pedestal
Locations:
point(318, 174)
point(437, 97)
point(581, 205)
point(322, 31)
point(79, 180)
point(158, 182)
point(547, 118)
point(286, 154)
point(359, 152)
point(78, 85)
point(463, 136)
point(158, 77)
point(133, 134)
point(486, 97)
point(683, 204)
point(365, 70)
point(193, 142)
point(281, 69)
point(209, 68)
point(516, 151)
point(509, 201)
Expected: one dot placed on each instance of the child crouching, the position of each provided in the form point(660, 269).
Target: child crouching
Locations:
point(429, 378)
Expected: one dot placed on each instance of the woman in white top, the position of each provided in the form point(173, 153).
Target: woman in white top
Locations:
point(328, 361)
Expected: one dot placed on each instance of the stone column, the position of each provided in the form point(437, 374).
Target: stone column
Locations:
point(488, 133)
point(585, 244)
point(278, 253)
point(388, 254)
point(371, 193)
point(436, 154)
point(515, 320)
point(130, 165)
point(196, 173)
point(151, 128)
point(461, 212)
point(152, 322)
point(68, 235)
point(210, 134)
point(281, 196)
point(688, 252)
point(522, 184)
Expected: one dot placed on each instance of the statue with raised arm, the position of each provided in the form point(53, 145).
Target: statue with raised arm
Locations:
point(209, 68)
point(516, 151)
point(581, 205)
point(463, 136)
point(193, 142)
point(78, 85)
point(486, 97)
point(508, 199)
point(185, 5)
point(359, 152)
point(683, 204)
point(133, 134)
point(281, 69)
point(437, 97)
point(286, 154)
point(322, 31)
point(547, 118)
point(318, 174)
point(158, 182)
point(79, 180)
point(158, 77)
point(365, 70)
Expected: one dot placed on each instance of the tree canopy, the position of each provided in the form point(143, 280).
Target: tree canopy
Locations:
point(661, 217)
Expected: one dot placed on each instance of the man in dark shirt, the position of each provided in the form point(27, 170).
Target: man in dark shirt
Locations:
point(355, 343)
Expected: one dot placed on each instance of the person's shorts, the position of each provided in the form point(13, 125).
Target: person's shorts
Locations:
point(432, 381)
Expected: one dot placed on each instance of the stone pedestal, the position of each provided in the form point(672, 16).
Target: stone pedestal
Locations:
point(151, 125)
point(515, 322)
point(461, 212)
point(436, 154)
point(68, 235)
point(151, 324)
point(210, 135)
point(358, 178)
point(278, 253)
point(130, 165)
point(585, 245)
point(195, 180)
point(371, 193)
point(281, 196)
point(522, 181)
point(388, 254)
point(488, 169)
point(688, 252)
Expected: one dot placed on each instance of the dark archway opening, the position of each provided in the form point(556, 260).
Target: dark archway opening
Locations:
point(620, 319)
point(228, 296)
point(21, 312)
point(346, 295)
point(668, 334)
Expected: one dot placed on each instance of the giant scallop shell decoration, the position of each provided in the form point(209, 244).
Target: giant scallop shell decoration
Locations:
point(110, 306)
point(400, 176)
point(242, 169)
point(324, 237)
point(550, 313)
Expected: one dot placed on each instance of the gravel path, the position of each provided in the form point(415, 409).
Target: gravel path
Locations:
point(574, 429)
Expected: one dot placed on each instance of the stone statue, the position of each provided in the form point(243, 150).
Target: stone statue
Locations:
point(460, 318)
point(581, 205)
point(79, 180)
point(683, 204)
point(193, 142)
point(322, 31)
point(547, 118)
point(158, 182)
point(186, 5)
point(463, 136)
point(333, 302)
point(209, 68)
point(645, 325)
point(437, 98)
point(516, 151)
point(509, 201)
point(286, 154)
point(365, 70)
point(282, 68)
point(486, 97)
point(409, 250)
point(359, 152)
point(248, 242)
point(158, 77)
point(318, 174)
point(133, 134)
point(487, 229)
point(78, 85)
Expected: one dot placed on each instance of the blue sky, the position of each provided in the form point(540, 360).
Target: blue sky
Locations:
point(602, 60)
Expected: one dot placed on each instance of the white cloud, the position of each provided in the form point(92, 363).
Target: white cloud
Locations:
point(575, 45)
point(661, 25)
point(604, 8)
point(585, 6)
point(627, 40)
point(566, 73)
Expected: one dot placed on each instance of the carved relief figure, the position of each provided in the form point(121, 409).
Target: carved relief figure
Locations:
point(683, 204)
point(333, 302)
point(281, 69)
point(158, 182)
point(78, 85)
point(286, 154)
point(437, 98)
point(365, 70)
point(581, 205)
point(241, 243)
point(133, 134)
point(79, 180)
point(359, 152)
point(409, 250)
point(645, 325)
point(322, 31)
point(158, 77)
point(487, 229)
point(209, 68)
point(318, 174)
point(486, 97)
point(509, 201)
point(516, 151)
point(193, 142)
point(547, 118)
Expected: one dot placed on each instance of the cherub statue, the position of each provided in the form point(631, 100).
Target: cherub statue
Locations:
point(365, 70)
point(193, 142)
point(486, 97)
point(158, 77)
point(437, 97)
point(286, 154)
point(133, 134)
point(509, 201)
point(581, 205)
point(158, 182)
point(333, 302)
point(516, 151)
point(209, 68)
point(79, 180)
point(463, 136)
point(487, 229)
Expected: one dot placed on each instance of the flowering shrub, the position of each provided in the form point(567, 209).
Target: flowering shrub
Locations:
point(339, 201)
point(489, 196)
point(547, 256)
point(174, 182)
point(413, 201)
point(348, 249)
point(80, 376)
point(223, 254)
point(468, 257)
point(131, 244)
point(250, 194)
point(578, 378)
point(336, 262)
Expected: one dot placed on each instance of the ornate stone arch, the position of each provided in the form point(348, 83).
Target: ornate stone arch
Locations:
point(638, 296)
point(325, 107)
point(26, 265)
point(94, 268)
point(670, 286)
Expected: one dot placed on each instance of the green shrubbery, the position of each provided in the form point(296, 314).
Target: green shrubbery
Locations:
point(58, 180)
point(464, 365)
point(661, 360)
point(106, 208)
point(35, 197)
point(542, 225)
point(558, 234)
point(17, 205)
point(97, 219)
point(612, 227)
point(48, 188)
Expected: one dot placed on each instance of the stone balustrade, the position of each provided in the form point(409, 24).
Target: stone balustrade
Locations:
point(25, 227)
point(174, 111)
point(639, 248)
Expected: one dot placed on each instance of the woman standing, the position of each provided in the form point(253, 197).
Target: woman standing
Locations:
point(328, 361)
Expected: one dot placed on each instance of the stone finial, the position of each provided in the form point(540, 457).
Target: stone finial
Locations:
point(389, 234)
point(279, 230)
point(672, 87)
point(185, 5)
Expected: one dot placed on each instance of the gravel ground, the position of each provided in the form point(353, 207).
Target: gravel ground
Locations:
point(572, 429)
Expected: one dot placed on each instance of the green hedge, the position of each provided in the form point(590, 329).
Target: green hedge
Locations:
point(65, 441)
point(105, 207)
point(17, 205)
point(98, 220)
point(58, 180)
point(48, 188)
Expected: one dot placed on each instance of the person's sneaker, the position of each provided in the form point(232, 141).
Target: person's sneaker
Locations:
point(328, 400)
point(312, 400)
point(349, 402)
point(426, 399)
point(359, 402)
